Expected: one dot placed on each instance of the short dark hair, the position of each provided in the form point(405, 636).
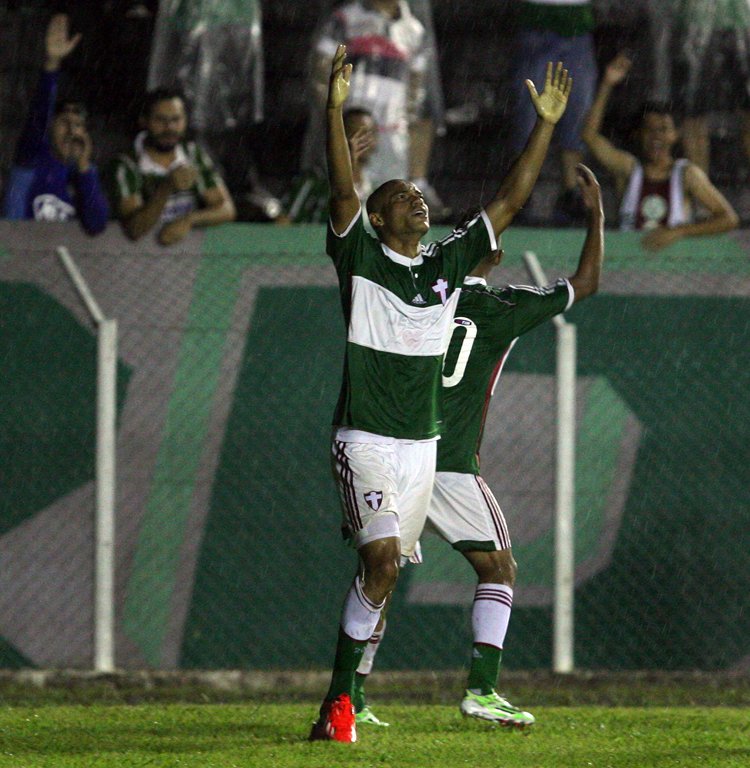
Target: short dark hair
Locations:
point(76, 106)
point(377, 198)
point(658, 108)
point(156, 95)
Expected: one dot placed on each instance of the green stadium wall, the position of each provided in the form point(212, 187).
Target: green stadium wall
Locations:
point(228, 550)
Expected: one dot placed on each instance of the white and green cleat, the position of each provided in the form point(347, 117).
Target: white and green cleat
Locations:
point(496, 709)
point(367, 717)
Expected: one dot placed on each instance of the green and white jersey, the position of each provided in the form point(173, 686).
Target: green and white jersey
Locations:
point(136, 173)
point(487, 324)
point(399, 317)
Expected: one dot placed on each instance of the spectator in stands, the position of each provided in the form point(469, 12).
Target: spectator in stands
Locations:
point(711, 70)
point(388, 47)
point(167, 183)
point(659, 194)
point(557, 31)
point(430, 122)
point(307, 200)
point(53, 177)
point(213, 53)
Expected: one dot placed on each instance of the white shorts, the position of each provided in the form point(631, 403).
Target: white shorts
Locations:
point(464, 512)
point(384, 489)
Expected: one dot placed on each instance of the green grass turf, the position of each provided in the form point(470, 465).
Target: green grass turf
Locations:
point(423, 736)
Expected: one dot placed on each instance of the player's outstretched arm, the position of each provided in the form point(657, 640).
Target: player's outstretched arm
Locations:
point(344, 203)
point(517, 186)
point(586, 279)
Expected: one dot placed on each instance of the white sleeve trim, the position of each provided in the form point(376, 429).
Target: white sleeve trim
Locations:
point(571, 294)
point(490, 230)
point(349, 225)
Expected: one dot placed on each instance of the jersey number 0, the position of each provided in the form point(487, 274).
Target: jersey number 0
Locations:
point(462, 359)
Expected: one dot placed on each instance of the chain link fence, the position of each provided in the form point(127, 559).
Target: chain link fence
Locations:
point(227, 522)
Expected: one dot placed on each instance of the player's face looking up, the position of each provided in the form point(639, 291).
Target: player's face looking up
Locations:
point(165, 124)
point(658, 135)
point(398, 207)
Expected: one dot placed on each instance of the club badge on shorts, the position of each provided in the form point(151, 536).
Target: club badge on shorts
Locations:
point(374, 499)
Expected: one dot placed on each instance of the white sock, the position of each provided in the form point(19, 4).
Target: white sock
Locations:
point(360, 615)
point(368, 657)
point(491, 613)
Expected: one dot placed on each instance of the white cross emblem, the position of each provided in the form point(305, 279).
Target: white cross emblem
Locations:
point(441, 287)
point(373, 499)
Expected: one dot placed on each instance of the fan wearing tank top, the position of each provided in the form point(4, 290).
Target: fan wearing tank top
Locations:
point(667, 198)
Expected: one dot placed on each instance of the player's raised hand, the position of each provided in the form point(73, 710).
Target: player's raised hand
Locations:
point(591, 192)
point(617, 69)
point(58, 43)
point(338, 85)
point(551, 102)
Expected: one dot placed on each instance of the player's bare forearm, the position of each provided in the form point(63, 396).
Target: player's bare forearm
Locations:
point(550, 106)
point(340, 175)
point(585, 281)
point(344, 202)
point(520, 180)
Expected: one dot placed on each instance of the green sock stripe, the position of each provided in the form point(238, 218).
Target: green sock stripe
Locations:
point(348, 655)
point(485, 668)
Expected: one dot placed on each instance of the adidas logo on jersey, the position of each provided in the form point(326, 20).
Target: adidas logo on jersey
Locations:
point(418, 299)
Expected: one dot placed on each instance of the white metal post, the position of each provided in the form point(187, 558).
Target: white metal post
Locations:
point(564, 584)
point(562, 656)
point(106, 417)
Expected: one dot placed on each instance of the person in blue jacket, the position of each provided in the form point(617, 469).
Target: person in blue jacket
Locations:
point(53, 177)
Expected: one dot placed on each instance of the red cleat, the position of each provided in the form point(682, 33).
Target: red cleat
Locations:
point(336, 721)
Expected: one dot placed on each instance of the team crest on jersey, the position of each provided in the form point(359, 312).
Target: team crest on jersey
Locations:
point(374, 499)
point(441, 289)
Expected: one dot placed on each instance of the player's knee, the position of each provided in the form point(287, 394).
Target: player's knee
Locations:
point(508, 569)
point(497, 568)
point(380, 578)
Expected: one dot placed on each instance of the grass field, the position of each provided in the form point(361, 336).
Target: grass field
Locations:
point(422, 736)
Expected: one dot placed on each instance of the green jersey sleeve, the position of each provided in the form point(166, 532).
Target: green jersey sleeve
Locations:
point(464, 248)
point(346, 248)
point(531, 306)
point(124, 179)
point(208, 176)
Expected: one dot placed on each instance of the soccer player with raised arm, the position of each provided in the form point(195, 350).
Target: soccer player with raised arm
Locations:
point(399, 298)
point(463, 510)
